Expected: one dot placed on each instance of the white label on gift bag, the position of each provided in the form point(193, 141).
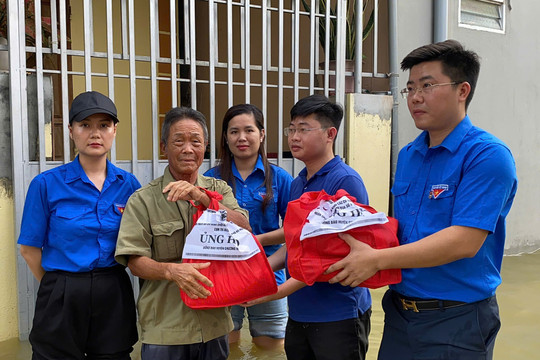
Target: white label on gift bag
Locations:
point(215, 238)
point(334, 217)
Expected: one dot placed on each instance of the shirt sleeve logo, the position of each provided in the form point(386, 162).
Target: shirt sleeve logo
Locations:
point(437, 190)
point(120, 207)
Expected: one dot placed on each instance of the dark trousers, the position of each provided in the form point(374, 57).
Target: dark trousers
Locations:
point(216, 349)
point(464, 332)
point(84, 316)
point(335, 340)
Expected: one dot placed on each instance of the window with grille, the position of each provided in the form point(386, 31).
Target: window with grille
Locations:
point(485, 15)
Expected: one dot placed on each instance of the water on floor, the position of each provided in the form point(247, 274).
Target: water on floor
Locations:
point(518, 301)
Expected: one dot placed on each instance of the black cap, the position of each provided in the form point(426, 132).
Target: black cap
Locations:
point(90, 103)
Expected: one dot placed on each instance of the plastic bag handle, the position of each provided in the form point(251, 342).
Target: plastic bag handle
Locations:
point(214, 197)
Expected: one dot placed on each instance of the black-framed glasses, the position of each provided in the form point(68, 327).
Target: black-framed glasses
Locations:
point(426, 89)
point(301, 131)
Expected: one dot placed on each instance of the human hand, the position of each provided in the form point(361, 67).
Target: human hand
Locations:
point(188, 278)
point(183, 190)
point(259, 300)
point(356, 267)
point(285, 289)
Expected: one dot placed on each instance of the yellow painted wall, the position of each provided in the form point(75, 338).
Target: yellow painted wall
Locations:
point(368, 140)
point(8, 277)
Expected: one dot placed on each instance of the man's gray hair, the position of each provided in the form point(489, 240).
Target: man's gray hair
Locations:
point(182, 113)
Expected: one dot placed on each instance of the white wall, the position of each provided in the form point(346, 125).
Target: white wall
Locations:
point(504, 103)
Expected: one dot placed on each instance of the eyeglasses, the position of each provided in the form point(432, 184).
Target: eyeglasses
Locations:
point(301, 131)
point(426, 89)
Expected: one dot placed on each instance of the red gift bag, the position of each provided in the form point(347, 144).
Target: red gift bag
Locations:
point(235, 281)
point(308, 259)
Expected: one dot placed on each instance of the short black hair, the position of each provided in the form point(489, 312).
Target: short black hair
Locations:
point(182, 113)
point(325, 111)
point(458, 64)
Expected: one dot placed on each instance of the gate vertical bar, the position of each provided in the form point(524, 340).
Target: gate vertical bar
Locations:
point(39, 86)
point(88, 43)
point(340, 68)
point(313, 35)
point(280, 86)
point(125, 29)
point(394, 83)
point(230, 93)
point(187, 42)
point(242, 35)
point(264, 63)
point(375, 36)
point(327, 51)
point(247, 53)
point(193, 60)
point(54, 29)
point(110, 65)
point(23, 89)
point(358, 47)
point(133, 88)
point(153, 13)
point(19, 159)
point(64, 80)
point(295, 48)
point(212, 19)
point(297, 164)
point(174, 82)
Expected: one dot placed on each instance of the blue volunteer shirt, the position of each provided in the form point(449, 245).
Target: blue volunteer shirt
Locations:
point(468, 180)
point(74, 223)
point(324, 302)
point(250, 194)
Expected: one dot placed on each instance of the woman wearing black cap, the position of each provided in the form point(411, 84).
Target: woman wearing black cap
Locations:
point(85, 307)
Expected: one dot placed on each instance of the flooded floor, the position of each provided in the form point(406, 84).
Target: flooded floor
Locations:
point(518, 298)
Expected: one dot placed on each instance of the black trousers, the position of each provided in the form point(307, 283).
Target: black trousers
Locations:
point(84, 316)
point(335, 340)
point(464, 332)
point(215, 349)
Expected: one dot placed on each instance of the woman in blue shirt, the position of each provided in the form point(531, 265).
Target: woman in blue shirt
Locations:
point(85, 307)
point(262, 189)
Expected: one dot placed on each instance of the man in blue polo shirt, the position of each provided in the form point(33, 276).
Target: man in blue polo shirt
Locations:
point(326, 321)
point(453, 189)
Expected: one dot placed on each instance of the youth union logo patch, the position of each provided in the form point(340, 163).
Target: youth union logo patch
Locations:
point(437, 190)
point(120, 207)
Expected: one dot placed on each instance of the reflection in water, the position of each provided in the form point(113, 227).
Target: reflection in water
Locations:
point(518, 301)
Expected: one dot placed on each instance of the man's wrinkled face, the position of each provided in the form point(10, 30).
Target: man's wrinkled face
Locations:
point(185, 149)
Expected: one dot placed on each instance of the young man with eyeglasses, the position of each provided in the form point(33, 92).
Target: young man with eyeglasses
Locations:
point(326, 321)
point(453, 189)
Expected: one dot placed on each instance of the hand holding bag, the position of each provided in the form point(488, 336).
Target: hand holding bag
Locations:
point(239, 268)
point(312, 224)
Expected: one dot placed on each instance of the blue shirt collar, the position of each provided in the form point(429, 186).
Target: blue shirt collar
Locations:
point(258, 167)
point(74, 171)
point(326, 168)
point(451, 142)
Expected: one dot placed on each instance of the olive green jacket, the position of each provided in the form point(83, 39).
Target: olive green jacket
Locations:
point(154, 227)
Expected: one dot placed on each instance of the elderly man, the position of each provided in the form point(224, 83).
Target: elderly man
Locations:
point(155, 223)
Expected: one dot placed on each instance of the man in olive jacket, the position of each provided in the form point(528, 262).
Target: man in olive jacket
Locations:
point(155, 223)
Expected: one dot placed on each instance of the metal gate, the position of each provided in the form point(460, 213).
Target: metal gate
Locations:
point(149, 56)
